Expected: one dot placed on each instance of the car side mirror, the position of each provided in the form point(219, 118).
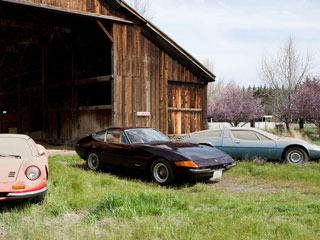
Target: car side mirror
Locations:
point(41, 152)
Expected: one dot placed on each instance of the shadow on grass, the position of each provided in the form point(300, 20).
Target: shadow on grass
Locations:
point(143, 176)
point(15, 205)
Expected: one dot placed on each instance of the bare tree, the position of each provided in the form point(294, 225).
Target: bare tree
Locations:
point(214, 88)
point(142, 7)
point(284, 73)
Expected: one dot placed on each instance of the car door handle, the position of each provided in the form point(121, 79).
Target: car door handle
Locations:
point(237, 142)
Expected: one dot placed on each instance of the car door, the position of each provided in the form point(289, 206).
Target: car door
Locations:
point(227, 144)
point(252, 144)
point(116, 149)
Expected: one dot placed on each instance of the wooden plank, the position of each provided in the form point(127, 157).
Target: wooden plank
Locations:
point(129, 73)
point(125, 87)
point(116, 73)
point(187, 122)
point(170, 123)
point(165, 112)
point(153, 84)
point(32, 26)
point(91, 108)
point(105, 30)
point(147, 79)
point(138, 74)
point(185, 109)
point(157, 86)
point(143, 80)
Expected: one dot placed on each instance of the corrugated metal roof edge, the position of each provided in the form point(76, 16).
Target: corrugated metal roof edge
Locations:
point(168, 39)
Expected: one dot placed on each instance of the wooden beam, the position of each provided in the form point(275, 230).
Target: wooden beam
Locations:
point(185, 109)
point(99, 107)
point(171, 82)
point(105, 30)
point(31, 26)
point(93, 80)
point(69, 11)
point(60, 85)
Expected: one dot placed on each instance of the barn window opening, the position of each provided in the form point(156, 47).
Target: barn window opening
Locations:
point(95, 94)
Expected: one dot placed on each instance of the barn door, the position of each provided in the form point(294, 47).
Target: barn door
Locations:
point(185, 108)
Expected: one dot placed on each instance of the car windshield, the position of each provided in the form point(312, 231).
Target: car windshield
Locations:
point(146, 135)
point(14, 148)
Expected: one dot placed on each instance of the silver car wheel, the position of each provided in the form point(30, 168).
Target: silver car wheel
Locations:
point(296, 156)
point(93, 161)
point(160, 172)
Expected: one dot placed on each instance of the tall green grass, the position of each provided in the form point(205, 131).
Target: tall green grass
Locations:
point(82, 204)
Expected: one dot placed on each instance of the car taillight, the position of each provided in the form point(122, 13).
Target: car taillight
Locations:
point(32, 173)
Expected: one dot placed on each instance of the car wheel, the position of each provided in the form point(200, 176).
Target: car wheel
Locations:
point(296, 155)
point(93, 161)
point(162, 172)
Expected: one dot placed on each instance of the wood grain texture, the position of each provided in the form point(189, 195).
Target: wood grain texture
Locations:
point(154, 82)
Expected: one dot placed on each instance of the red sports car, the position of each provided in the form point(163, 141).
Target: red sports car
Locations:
point(23, 168)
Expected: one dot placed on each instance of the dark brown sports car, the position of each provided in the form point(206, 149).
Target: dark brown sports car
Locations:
point(149, 150)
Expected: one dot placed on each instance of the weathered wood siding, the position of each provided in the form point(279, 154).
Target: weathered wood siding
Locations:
point(148, 79)
point(90, 6)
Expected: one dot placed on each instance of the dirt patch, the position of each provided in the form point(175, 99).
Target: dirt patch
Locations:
point(238, 186)
point(3, 232)
point(54, 152)
point(58, 150)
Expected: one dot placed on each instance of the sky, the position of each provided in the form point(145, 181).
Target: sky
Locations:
point(235, 34)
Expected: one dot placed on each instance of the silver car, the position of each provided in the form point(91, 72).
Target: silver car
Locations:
point(251, 142)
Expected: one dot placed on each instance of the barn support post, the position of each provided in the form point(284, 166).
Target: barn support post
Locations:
point(43, 89)
point(74, 99)
point(112, 75)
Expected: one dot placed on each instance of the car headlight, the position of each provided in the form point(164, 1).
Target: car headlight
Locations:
point(33, 173)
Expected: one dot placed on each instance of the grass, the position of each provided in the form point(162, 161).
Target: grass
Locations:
point(311, 135)
point(266, 201)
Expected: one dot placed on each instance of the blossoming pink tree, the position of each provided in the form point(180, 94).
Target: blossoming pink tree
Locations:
point(234, 105)
point(307, 102)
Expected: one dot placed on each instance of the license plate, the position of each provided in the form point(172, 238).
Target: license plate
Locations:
point(217, 174)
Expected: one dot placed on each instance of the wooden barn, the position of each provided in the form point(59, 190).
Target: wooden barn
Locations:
point(72, 67)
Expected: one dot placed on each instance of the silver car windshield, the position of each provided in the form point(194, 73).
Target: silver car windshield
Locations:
point(14, 148)
point(146, 135)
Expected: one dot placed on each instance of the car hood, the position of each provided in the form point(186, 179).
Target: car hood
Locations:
point(9, 169)
point(201, 155)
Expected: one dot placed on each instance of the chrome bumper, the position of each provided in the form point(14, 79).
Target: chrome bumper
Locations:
point(209, 170)
point(230, 166)
point(202, 170)
point(25, 194)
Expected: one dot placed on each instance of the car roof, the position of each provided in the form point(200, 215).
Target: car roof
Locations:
point(126, 128)
point(26, 137)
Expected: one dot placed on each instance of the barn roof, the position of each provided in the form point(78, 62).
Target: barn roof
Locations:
point(149, 30)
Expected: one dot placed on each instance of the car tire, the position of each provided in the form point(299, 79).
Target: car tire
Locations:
point(93, 161)
point(296, 155)
point(162, 172)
